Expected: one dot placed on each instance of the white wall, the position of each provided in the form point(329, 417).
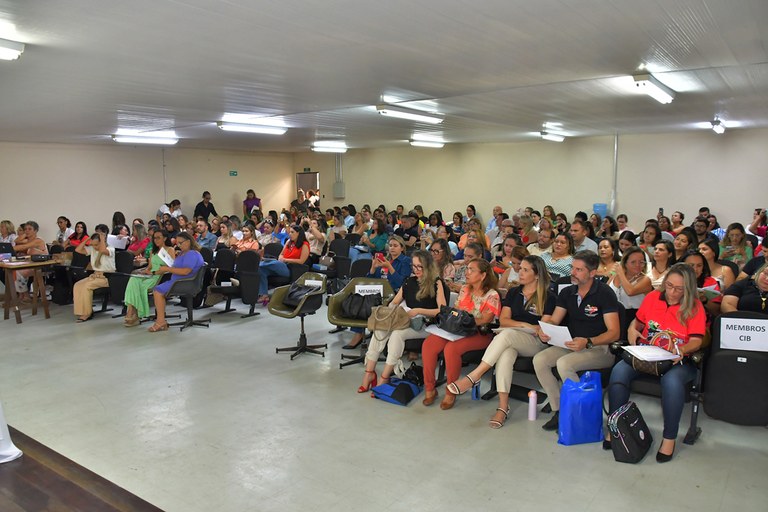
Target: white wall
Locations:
point(89, 182)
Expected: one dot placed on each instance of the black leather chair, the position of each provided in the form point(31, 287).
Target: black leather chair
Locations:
point(353, 238)
point(187, 288)
point(273, 251)
point(308, 306)
point(247, 290)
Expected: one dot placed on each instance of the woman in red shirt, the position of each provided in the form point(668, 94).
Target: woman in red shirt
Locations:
point(671, 318)
point(295, 251)
point(79, 236)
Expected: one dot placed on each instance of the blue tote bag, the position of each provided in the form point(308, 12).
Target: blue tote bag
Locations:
point(581, 410)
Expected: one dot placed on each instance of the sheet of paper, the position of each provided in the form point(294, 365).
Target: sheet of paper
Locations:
point(558, 334)
point(710, 292)
point(650, 353)
point(166, 257)
point(117, 242)
point(142, 275)
point(434, 329)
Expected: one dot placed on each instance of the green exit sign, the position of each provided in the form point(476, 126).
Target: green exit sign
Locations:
point(233, 173)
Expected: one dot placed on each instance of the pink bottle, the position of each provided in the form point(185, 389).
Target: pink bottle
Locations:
point(532, 402)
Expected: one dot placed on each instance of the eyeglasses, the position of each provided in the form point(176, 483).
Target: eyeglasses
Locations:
point(435, 251)
point(671, 287)
point(417, 267)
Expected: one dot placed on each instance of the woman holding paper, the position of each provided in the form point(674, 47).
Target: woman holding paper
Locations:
point(673, 319)
point(522, 309)
point(137, 291)
point(709, 290)
point(422, 294)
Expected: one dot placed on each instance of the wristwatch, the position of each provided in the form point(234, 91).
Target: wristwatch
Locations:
point(589, 343)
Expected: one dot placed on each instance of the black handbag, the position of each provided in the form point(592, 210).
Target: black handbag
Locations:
point(456, 321)
point(358, 307)
point(630, 436)
point(414, 374)
point(657, 368)
point(296, 294)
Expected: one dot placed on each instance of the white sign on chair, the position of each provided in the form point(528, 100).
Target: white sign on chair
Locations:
point(744, 334)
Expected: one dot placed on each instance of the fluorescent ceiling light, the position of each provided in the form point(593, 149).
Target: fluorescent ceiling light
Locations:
point(553, 137)
point(137, 139)
point(655, 89)
point(426, 143)
point(329, 146)
point(718, 127)
point(407, 113)
point(251, 128)
point(10, 50)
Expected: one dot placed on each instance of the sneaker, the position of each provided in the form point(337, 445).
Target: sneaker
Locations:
point(553, 423)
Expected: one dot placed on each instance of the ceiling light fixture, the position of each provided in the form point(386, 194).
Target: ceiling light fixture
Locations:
point(10, 50)
point(653, 88)
point(329, 146)
point(553, 137)
point(139, 139)
point(407, 113)
point(426, 143)
point(718, 127)
point(251, 128)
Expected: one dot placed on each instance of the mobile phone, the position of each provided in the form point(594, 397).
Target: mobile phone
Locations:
point(380, 256)
point(661, 211)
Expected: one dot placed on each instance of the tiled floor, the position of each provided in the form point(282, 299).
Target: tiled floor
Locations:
point(213, 419)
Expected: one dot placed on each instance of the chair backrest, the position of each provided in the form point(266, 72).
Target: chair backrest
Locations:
point(80, 260)
point(334, 303)
point(248, 275)
point(207, 255)
point(224, 260)
point(313, 300)
point(340, 247)
point(748, 334)
point(360, 268)
point(188, 286)
point(273, 250)
point(124, 262)
point(56, 249)
point(353, 238)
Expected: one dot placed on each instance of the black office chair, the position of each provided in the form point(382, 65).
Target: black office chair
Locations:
point(353, 238)
point(248, 277)
point(187, 288)
point(77, 271)
point(309, 305)
point(273, 251)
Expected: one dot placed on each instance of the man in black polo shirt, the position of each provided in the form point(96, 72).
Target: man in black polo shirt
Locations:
point(408, 229)
point(593, 320)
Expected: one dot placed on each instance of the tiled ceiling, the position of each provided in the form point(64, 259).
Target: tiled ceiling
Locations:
point(497, 69)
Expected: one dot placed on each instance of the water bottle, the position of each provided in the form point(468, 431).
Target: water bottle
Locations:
point(532, 402)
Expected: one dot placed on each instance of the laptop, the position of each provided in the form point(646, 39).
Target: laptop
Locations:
point(6, 248)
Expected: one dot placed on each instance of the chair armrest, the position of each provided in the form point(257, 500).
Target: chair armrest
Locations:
point(615, 347)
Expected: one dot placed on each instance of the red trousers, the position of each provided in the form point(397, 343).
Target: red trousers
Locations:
point(452, 351)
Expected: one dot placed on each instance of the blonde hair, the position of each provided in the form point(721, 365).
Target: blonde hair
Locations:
point(9, 227)
point(542, 286)
point(429, 274)
point(689, 304)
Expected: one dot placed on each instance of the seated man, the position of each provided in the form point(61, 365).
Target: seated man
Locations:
point(543, 244)
point(204, 237)
point(581, 242)
point(593, 320)
point(408, 230)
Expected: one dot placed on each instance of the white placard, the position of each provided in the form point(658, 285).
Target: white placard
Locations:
point(744, 334)
point(370, 289)
point(314, 283)
point(558, 334)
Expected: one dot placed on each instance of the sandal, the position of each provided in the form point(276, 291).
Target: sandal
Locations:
point(158, 327)
point(454, 388)
point(371, 383)
point(496, 423)
point(131, 322)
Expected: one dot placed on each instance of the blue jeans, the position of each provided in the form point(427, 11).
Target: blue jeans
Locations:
point(673, 391)
point(271, 268)
point(357, 254)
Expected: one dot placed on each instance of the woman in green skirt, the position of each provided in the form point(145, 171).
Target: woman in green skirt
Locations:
point(137, 292)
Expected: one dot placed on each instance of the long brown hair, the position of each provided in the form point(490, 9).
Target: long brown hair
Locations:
point(429, 275)
point(539, 297)
point(490, 281)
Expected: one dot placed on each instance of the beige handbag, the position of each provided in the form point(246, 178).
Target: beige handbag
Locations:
point(388, 319)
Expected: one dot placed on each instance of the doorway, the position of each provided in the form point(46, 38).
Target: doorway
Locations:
point(307, 181)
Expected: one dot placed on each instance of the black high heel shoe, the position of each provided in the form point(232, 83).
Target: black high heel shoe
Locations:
point(661, 458)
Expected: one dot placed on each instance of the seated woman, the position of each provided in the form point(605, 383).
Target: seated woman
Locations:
point(626, 240)
point(267, 235)
point(7, 232)
point(172, 228)
point(102, 260)
point(422, 294)
point(359, 227)
point(674, 320)
point(64, 232)
point(296, 250)
point(665, 225)
point(559, 261)
point(677, 222)
point(474, 236)
point(338, 230)
point(561, 223)
point(503, 261)
point(723, 274)
point(511, 277)
point(374, 240)
point(609, 228)
point(735, 246)
point(704, 280)
point(398, 269)
point(188, 261)
point(225, 236)
point(608, 250)
point(441, 253)
point(139, 240)
point(137, 291)
point(247, 243)
point(684, 242)
point(444, 233)
point(596, 221)
point(649, 238)
point(457, 224)
point(27, 245)
point(522, 308)
point(528, 233)
point(479, 298)
point(79, 236)
point(631, 283)
point(472, 252)
point(748, 294)
point(663, 258)
point(315, 237)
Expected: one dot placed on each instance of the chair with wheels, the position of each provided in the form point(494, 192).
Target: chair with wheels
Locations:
point(248, 278)
point(118, 280)
point(336, 317)
point(308, 305)
point(187, 288)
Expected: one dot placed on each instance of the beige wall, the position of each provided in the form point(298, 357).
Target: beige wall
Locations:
point(677, 171)
point(89, 182)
